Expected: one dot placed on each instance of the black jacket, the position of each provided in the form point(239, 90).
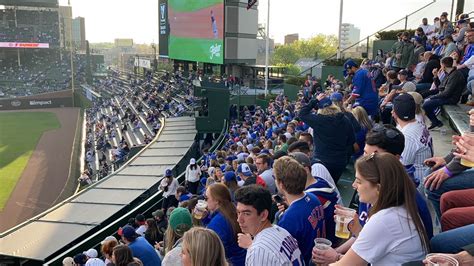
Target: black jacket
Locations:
point(428, 72)
point(333, 135)
point(451, 87)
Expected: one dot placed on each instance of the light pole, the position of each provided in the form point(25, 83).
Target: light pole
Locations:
point(341, 7)
point(71, 56)
point(155, 61)
point(267, 49)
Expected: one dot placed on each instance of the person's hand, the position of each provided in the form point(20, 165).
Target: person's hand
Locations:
point(158, 245)
point(438, 162)
point(435, 72)
point(281, 207)
point(464, 258)
point(465, 148)
point(244, 240)
point(435, 179)
point(398, 56)
point(354, 226)
point(327, 256)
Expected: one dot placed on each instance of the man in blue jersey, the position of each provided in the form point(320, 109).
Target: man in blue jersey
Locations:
point(304, 218)
point(139, 246)
point(271, 244)
point(363, 89)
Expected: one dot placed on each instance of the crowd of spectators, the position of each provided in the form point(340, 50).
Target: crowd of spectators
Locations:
point(129, 118)
point(269, 195)
point(34, 26)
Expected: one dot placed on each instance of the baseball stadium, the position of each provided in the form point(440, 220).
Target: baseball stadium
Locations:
point(216, 146)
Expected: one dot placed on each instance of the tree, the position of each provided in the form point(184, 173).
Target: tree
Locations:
point(319, 46)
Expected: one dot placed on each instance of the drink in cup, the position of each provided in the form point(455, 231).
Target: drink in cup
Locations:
point(200, 209)
point(463, 161)
point(343, 218)
point(435, 259)
point(322, 244)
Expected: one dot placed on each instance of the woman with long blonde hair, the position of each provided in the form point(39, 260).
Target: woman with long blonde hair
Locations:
point(365, 126)
point(202, 247)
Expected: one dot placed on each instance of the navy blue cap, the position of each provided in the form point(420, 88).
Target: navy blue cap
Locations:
point(336, 96)
point(229, 176)
point(349, 64)
point(325, 102)
point(168, 173)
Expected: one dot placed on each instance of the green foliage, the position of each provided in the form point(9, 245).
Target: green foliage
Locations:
point(290, 69)
point(319, 46)
point(391, 34)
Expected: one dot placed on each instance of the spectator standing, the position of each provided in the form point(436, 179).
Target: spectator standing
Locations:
point(271, 244)
point(404, 53)
point(333, 134)
point(193, 175)
point(169, 185)
point(364, 92)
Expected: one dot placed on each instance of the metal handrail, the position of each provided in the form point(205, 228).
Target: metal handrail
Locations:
point(365, 39)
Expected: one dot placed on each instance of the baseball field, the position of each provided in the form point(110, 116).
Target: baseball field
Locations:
point(19, 135)
point(196, 30)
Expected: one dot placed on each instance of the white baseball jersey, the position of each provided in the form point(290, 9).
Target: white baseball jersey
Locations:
point(274, 246)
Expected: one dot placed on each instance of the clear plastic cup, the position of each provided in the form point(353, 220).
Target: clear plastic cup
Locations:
point(343, 218)
point(200, 209)
point(436, 259)
point(322, 244)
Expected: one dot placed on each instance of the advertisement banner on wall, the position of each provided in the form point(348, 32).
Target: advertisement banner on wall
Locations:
point(196, 30)
point(163, 28)
point(23, 45)
point(146, 63)
point(19, 104)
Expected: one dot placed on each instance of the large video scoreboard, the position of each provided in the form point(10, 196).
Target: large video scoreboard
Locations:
point(39, 3)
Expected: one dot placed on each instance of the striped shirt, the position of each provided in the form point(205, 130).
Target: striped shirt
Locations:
point(274, 246)
point(418, 147)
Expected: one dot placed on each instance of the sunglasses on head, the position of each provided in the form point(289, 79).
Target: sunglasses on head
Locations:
point(389, 132)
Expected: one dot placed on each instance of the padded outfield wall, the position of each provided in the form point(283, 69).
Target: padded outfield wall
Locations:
point(57, 99)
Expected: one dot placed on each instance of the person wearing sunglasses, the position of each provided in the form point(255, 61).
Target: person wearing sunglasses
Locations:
point(394, 233)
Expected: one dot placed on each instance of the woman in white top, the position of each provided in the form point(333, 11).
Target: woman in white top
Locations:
point(193, 175)
point(169, 185)
point(394, 233)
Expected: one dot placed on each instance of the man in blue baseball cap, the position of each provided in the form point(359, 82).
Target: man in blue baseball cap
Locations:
point(363, 89)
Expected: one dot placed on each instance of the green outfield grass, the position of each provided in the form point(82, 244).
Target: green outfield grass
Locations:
point(195, 49)
point(19, 134)
point(189, 6)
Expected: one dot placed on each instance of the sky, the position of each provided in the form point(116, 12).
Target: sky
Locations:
point(110, 19)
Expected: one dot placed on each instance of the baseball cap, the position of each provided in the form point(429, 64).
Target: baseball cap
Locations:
point(68, 261)
point(168, 173)
point(302, 158)
point(418, 39)
point(349, 64)
point(336, 97)
point(244, 169)
point(80, 259)
point(192, 161)
point(403, 72)
point(91, 253)
point(95, 262)
point(404, 106)
point(109, 238)
point(180, 220)
point(158, 213)
point(409, 86)
point(128, 232)
point(325, 102)
point(229, 176)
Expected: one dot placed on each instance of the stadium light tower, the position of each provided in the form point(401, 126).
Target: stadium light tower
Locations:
point(72, 60)
point(267, 49)
point(341, 6)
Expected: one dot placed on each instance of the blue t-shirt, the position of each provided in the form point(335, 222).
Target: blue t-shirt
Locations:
point(328, 198)
point(145, 252)
point(423, 211)
point(185, 197)
point(234, 253)
point(304, 220)
point(365, 91)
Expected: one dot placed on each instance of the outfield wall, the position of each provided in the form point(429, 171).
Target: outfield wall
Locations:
point(46, 100)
